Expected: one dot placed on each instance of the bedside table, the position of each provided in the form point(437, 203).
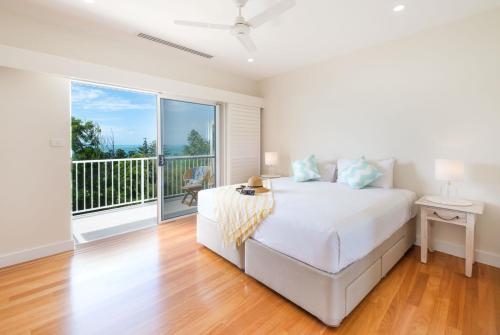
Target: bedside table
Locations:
point(464, 216)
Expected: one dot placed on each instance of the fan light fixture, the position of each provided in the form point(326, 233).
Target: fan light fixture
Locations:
point(398, 8)
point(242, 27)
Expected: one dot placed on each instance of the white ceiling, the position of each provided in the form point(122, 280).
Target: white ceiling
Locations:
point(312, 31)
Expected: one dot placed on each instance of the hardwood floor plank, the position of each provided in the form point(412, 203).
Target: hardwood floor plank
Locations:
point(160, 281)
point(418, 289)
point(494, 281)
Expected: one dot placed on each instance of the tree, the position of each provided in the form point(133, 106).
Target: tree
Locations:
point(152, 149)
point(85, 139)
point(108, 142)
point(197, 145)
point(147, 149)
point(120, 153)
point(88, 143)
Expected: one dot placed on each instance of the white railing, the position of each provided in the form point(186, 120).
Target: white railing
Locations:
point(108, 183)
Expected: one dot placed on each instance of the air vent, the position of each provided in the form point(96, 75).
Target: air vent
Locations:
point(174, 45)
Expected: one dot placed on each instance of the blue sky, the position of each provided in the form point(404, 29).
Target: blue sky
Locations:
point(181, 117)
point(130, 115)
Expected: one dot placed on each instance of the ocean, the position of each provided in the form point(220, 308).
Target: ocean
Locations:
point(173, 150)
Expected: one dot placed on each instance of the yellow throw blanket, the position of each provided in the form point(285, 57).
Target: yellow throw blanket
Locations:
point(239, 215)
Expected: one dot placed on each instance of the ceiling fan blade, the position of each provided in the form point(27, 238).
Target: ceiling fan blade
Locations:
point(271, 13)
point(247, 42)
point(203, 25)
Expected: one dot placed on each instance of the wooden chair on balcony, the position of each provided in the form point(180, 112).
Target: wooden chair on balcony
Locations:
point(195, 179)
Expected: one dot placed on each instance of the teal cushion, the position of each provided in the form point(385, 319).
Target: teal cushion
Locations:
point(305, 169)
point(360, 174)
point(199, 173)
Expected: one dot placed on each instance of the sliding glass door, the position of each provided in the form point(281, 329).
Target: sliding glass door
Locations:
point(187, 138)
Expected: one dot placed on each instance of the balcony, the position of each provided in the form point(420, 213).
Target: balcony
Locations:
point(114, 196)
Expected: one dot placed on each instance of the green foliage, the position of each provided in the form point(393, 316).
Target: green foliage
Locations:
point(90, 188)
point(147, 150)
point(120, 153)
point(89, 191)
point(85, 140)
point(196, 145)
point(88, 143)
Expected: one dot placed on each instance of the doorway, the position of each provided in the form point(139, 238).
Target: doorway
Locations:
point(114, 163)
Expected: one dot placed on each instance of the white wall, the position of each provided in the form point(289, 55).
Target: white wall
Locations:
point(35, 201)
point(433, 95)
point(35, 213)
point(116, 49)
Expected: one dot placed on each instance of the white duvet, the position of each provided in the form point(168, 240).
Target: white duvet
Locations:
point(327, 225)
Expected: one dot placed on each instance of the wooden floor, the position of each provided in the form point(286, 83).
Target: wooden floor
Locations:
point(161, 281)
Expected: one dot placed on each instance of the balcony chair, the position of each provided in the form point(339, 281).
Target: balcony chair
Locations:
point(194, 181)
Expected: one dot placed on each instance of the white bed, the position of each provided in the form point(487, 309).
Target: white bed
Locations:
point(320, 232)
point(327, 225)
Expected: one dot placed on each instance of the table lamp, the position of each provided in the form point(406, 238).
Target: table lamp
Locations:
point(449, 171)
point(271, 159)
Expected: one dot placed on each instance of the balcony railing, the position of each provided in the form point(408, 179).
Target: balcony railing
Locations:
point(109, 183)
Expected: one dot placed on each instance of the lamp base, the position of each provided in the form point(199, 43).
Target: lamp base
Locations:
point(449, 201)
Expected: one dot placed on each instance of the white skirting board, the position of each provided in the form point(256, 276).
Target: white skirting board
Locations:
point(35, 253)
point(458, 250)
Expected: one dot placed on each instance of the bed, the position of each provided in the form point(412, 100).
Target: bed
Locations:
point(336, 241)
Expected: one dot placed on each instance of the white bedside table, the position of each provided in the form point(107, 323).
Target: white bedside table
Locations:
point(459, 215)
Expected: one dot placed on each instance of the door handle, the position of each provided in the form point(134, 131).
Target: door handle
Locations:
point(161, 160)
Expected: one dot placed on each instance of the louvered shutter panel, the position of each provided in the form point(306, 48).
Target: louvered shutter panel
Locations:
point(243, 143)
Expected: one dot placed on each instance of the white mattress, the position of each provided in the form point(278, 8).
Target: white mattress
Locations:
point(327, 225)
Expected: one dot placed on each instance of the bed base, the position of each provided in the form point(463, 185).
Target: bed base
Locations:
point(329, 297)
point(208, 234)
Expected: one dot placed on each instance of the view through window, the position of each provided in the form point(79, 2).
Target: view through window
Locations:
point(113, 160)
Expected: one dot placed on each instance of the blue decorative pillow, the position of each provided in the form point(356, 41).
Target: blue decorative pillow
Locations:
point(360, 174)
point(305, 169)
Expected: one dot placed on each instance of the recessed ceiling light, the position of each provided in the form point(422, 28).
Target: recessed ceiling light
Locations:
point(89, 1)
point(250, 60)
point(398, 8)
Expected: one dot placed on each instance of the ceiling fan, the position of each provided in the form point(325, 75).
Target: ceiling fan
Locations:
point(242, 27)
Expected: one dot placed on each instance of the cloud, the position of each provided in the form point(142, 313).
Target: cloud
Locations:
point(90, 98)
point(112, 104)
point(81, 94)
point(105, 119)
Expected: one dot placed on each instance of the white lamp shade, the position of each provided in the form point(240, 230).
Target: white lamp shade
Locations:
point(449, 170)
point(271, 158)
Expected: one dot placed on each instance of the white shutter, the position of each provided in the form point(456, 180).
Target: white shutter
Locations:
point(243, 143)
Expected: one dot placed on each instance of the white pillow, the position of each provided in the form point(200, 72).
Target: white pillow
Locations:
point(361, 174)
point(327, 171)
point(386, 167)
point(342, 165)
point(305, 169)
